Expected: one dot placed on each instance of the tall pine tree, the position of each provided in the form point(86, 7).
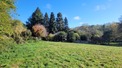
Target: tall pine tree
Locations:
point(52, 24)
point(66, 24)
point(36, 18)
point(60, 22)
point(46, 21)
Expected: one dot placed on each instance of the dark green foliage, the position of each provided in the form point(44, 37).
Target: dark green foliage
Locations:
point(71, 37)
point(52, 24)
point(46, 21)
point(36, 18)
point(97, 40)
point(107, 37)
point(66, 27)
point(61, 36)
point(83, 38)
point(120, 19)
point(60, 22)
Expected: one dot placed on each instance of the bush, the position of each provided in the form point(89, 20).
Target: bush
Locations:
point(39, 31)
point(6, 44)
point(26, 35)
point(96, 40)
point(60, 36)
point(19, 40)
point(71, 36)
point(50, 37)
point(83, 38)
point(77, 36)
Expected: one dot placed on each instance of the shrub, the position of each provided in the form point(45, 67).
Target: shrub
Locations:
point(19, 40)
point(83, 38)
point(6, 44)
point(71, 36)
point(26, 34)
point(39, 30)
point(61, 36)
point(18, 27)
point(50, 37)
point(77, 36)
point(96, 40)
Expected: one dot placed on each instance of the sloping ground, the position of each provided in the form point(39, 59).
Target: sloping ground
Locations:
point(61, 55)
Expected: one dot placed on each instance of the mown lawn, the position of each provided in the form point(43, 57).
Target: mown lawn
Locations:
point(61, 55)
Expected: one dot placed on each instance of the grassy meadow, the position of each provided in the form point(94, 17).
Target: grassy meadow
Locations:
point(44, 54)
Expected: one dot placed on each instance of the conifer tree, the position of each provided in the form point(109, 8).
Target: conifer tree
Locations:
point(36, 18)
point(66, 24)
point(46, 21)
point(60, 22)
point(52, 24)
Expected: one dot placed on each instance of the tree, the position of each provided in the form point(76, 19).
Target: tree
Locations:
point(18, 28)
point(46, 21)
point(36, 18)
point(120, 29)
point(66, 24)
point(120, 19)
point(83, 38)
point(71, 37)
point(60, 22)
point(107, 37)
point(77, 36)
point(61, 36)
point(6, 6)
point(39, 31)
point(114, 31)
point(52, 24)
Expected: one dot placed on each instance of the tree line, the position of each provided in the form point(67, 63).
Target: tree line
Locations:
point(51, 28)
point(101, 34)
point(52, 24)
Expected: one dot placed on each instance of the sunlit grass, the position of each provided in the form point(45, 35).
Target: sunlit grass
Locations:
point(61, 55)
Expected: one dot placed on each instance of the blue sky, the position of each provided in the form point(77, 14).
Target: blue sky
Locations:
point(78, 12)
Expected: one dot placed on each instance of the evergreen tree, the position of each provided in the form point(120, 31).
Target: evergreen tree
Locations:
point(52, 24)
point(66, 24)
point(46, 21)
point(60, 22)
point(36, 18)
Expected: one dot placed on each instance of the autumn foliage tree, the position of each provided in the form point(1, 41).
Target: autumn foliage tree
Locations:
point(39, 30)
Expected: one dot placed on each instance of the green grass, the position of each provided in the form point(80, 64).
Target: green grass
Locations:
point(61, 55)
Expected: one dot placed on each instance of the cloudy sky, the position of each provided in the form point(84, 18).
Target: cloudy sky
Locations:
point(78, 12)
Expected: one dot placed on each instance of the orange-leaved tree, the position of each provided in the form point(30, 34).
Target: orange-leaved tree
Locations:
point(39, 30)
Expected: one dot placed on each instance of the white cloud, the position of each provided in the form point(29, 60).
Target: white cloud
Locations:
point(48, 6)
point(76, 18)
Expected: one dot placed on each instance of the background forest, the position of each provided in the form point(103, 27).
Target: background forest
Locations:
point(54, 28)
